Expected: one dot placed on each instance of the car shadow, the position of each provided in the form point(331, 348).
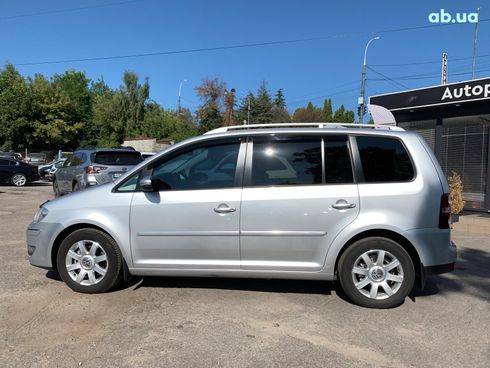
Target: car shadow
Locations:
point(471, 277)
point(242, 284)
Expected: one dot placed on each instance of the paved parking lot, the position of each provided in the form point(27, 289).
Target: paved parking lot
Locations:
point(169, 322)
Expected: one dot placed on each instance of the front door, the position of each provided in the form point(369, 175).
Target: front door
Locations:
point(192, 220)
point(298, 194)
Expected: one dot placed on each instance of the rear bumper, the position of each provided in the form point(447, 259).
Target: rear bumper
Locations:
point(436, 270)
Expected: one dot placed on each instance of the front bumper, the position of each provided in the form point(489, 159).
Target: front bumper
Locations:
point(40, 238)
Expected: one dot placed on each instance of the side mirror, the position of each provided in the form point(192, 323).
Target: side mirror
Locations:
point(146, 184)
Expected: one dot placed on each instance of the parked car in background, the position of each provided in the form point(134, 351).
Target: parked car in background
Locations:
point(16, 172)
point(53, 169)
point(12, 155)
point(37, 158)
point(88, 167)
point(146, 155)
point(367, 206)
point(45, 169)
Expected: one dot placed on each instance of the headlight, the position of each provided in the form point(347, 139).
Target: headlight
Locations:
point(41, 213)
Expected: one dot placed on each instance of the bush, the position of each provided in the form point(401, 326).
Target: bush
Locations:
point(456, 193)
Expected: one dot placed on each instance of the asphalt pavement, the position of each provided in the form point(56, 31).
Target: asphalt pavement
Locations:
point(190, 322)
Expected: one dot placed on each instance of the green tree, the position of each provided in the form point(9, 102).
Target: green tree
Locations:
point(279, 112)
point(229, 114)
point(133, 97)
point(242, 113)
point(211, 93)
point(343, 116)
point(53, 126)
point(327, 110)
point(308, 114)
point(263, 106)
point(15, 110)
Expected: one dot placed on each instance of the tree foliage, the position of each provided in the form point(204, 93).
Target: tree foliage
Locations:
point(312, 113)
point(70, 110)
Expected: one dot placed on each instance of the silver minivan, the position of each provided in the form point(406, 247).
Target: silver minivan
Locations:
point(365, 205)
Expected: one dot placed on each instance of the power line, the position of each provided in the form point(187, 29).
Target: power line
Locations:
point(174, 52)
point(428, 62)
point(323, 90)
point(406, 78)
point(218, 48)
point(323, 96)
point(387, 78)
point(392, 30)
point(68, 10)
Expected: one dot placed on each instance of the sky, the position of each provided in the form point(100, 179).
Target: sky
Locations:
point(327, 66)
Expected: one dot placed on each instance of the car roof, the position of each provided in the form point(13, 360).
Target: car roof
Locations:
point(107, 150)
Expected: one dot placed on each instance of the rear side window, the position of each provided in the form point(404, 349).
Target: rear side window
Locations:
point(384, 160)
point(338, 166)
point(117, 158)
point(77, 159)
point(289, 162)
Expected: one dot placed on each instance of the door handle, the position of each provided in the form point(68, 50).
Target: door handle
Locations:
point(342, 204)
point(224, 208)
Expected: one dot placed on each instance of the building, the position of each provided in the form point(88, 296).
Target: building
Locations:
point(147, 144)
point(455, 120)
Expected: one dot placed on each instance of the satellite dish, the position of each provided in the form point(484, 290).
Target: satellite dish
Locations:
point(381, 115)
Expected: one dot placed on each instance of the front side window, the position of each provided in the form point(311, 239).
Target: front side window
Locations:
point(206, 167)
point(384, 160)
point(286, 162)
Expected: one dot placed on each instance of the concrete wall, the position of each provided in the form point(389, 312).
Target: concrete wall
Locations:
point(147, 145)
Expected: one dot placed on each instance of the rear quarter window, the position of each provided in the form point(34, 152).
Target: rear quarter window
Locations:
point(384, 160)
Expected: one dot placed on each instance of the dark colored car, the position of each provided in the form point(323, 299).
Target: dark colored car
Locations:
point(11, 155)
point(17, 173)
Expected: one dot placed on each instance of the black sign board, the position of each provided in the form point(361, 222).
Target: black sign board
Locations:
point(474, 90)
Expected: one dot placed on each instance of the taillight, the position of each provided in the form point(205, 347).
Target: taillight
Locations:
point(34, 170)
point(94, 169)
point(444, 212)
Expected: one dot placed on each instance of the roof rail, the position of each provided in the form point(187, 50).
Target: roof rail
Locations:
point(302, 125)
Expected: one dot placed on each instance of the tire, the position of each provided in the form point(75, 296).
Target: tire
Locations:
point(373, 285)
point(89, 261)
point(18, 180)
point(56, 189)
point(76, 187)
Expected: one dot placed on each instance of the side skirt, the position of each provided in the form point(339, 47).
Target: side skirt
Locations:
point(295, 275)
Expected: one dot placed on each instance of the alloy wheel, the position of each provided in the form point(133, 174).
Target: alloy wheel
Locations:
point(377, 274)
point(86, 262)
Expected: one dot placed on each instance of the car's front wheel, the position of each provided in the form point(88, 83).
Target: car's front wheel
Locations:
point(89, 261)
point(376, 273)
point(18, 179)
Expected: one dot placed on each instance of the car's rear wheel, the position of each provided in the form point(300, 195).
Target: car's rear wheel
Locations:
point(376, 273)
point(89, 261)
point(18, 179)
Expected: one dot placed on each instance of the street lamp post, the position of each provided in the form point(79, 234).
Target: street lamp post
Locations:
point(363, 82)
point(180, 90)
